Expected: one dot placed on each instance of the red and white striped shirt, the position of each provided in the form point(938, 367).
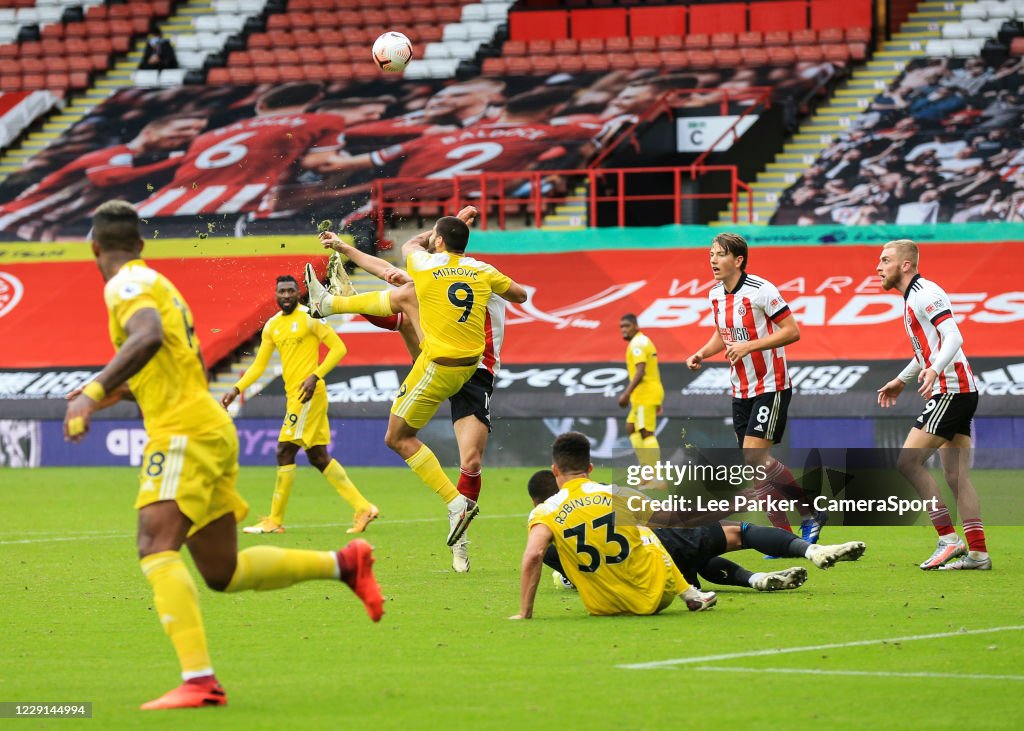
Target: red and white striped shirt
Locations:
point(751, 311)
point(494, 333)
point(927, 307)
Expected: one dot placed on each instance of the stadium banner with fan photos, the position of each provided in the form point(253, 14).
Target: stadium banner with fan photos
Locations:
point(268, 159)
point(514, 442)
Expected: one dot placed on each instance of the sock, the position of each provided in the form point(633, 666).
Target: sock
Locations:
point(720, 570)
point(638, 444)
point(776, 517)
point(177, 605)
point(652, 450)
point(391, 322)
point(786, 485)
point(941, 520)
point(754, 578)
point(428, 469)
point(974, 532)
point(282, 491)
point(335, 474)
point(368, 303)
point(262, 568)
point(772, 541)
point(469, 484)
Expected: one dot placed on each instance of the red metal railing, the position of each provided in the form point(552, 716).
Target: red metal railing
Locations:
point(531, 192)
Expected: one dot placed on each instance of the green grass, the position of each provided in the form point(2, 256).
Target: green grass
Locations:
point(79, 626)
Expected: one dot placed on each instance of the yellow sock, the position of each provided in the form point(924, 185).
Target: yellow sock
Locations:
point(651, 450)
point(638, 444)
point(368, 303)
point(428, 469)
point(262, 568)
point(282, 491)
point(177, 604)
point(335, 474)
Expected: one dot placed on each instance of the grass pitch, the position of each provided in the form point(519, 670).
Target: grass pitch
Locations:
point(79, 626)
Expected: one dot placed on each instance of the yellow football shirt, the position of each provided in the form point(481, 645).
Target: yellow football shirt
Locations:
point(453, 292)
point(297, 338)
point(618, 569)
point(171, 388)
point(641, 350)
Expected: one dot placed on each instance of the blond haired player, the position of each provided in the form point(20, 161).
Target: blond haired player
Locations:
point(297, 336)
point(644, 394)
point(617, 569)
point(187, 494)
point(453, 291)
point(951, 398)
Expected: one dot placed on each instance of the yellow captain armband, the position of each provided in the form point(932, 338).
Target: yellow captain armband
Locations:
point(95, 391)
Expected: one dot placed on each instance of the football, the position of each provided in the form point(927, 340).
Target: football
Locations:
point(392, 51)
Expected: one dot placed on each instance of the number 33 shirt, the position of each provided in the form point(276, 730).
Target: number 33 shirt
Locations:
point(453, 291)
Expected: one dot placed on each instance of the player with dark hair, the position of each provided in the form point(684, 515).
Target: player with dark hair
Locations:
point(298, 337)
point(948, 384)
point(753, 324)
point(187, 493)
point(698, 550)
point(617, 569)
point(644, 393)
point(453, 292)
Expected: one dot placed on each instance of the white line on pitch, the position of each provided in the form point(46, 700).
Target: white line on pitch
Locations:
point(868, 673)
point(100, 536)
point(810, 648)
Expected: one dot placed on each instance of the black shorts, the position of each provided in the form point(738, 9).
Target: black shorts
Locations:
point(948, 414)
point(474, 399)
point(762, 416)
point(691, 548)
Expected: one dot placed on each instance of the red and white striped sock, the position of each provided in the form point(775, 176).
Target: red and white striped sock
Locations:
point(974, 532)
point(941, 520)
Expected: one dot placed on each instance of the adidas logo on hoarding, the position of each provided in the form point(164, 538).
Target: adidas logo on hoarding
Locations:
point(381, 386)
point(1005, 381)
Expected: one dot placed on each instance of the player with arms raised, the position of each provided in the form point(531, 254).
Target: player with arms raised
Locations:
point(618, 569)
point(187, 494)
point(946, 381)
point(753, 325)
point(453, 291)
point(298, 337)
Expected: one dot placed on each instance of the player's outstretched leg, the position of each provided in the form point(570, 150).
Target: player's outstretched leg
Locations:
point(778, 542)
point(322, 303)
point(825, 557)
point(791, 578)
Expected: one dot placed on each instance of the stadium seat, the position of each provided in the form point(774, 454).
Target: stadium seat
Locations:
point(859, 34)
point(675, 59)
point(1017, 46)
point(647, 59)
point(723, 40)
point(754, 57)
point(618, 45)
point(670, 43)
point(1000, 10)
point(831, 35)
point(955, 30)
point(719, 18)
point(493, 67)
point(727, 57)
point(769, 16)
point(644, 43)
point(776, 38)
point(697, 41)
point(218, 76)
point(591, 46)
point(805, 37)
point(540, 46)
point(701, 59)
point(809, 53)
point(547, 24)
point(835, 52)
point(975, 11)
point(514, 48)
point(598, 23)
point(565, 46)
point(750, 39)
point(621, 60)
point(146, 78)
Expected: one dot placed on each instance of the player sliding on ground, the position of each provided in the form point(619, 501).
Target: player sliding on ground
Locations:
point(940, 366)
point(753, 325)
point(471, 406)
point(699, 550)
point(617, 569)
point(297, 336)
point(187, 494)
point(453, 291)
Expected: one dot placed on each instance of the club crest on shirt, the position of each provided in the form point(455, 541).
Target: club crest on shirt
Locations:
point(741, 310)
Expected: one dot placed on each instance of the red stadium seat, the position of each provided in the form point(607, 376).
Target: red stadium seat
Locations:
point(621, 60)
point(120, 28)
point(750, 39)
point(788, 15)
point(644, 43)
point(754, 57)
point(805, 37)
point(30, 65)
point(10, 67)
point(53, 30)
point(836, 52)
point(306, 38)
point(781, 56)
point(281, 21)
point(31, 48)
point(99, 61)
point(812, 54)
point(617, 45)
point(242, 76)
point(841, 14)
point(518, 65)
point(57, 81)
point(262, 57)
point(301, 20)
point(423, 15)
point(33, 82)
point(514, 48)
point(218, 76)
point(337, 54)
point(831, 35)
point(697, 41)
point(598, 23)
point(776, 38)
point(78, 63)
point(267, 75)
point(430, 33)
point(280, 38)
point(1017, 46)
point(493, 67)
point(57, 65)
point(161, 8)
point(858, 34)
point(545, 64)
point(719, 18)
point(140, 26)
point(240, 58)
point(858, 51)
point(9, 50)
point(723, 40)
point(540, 46)
point(120, 44)
point(259, 40)
point(647, 59)
point(293, 73)
point(77, 30)
point(549, 24)
point(119, 11)
point(701, 59)
point(596, 62)
point(571, 65)
point(727, 57)
point(675, 59)
point(78, 80)
point(313, 57)
point(51, 47)
point(591, 45)
point(657, 21)
point(445, 15)
point(76, 46)
point(287, 57)
point(98, 12)
point(340, 70)
point(670, 43)
point(565, 46)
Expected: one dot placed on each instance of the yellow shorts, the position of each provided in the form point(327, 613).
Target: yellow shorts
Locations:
point(643, 417)
point(306, 423)
point(427, 386)
point(198, 472)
